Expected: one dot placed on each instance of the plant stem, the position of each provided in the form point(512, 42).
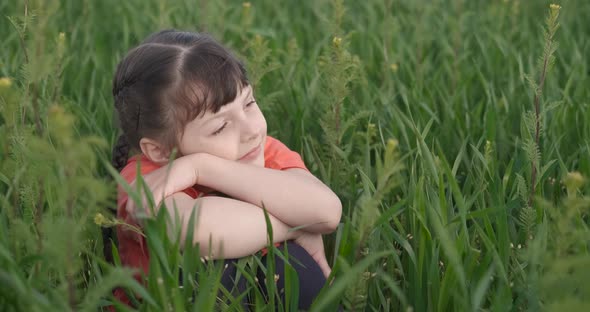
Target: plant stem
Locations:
point(537, 103)
point(36, 109)
point(69, 275)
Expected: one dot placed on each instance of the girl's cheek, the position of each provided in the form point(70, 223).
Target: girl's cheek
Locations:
point(228, 146)
point(262, 122)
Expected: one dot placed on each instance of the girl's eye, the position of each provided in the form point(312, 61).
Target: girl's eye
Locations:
point(218, 131)
point(250, 103)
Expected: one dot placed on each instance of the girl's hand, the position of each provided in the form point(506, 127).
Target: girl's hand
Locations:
point(314, 245)
point(181, 174)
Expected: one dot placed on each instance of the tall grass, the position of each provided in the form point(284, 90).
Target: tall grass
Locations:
point(461, 163)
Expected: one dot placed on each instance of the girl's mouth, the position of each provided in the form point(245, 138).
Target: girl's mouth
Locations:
point(252, 154)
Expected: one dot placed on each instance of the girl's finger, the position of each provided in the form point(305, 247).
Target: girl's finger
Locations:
point(129, 207)
point(325, 268)
point(323, 264)
point(327, 272)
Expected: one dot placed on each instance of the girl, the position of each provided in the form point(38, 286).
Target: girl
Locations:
point(184, 91)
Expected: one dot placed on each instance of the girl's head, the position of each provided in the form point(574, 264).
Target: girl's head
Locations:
point(184, 90)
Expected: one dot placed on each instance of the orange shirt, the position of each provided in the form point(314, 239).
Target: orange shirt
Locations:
point(132, 246)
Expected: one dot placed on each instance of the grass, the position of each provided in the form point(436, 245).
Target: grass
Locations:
point(416, 113)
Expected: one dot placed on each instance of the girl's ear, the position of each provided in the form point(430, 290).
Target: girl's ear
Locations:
point(154, 151)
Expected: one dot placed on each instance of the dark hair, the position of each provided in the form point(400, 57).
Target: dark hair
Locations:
point(168, 80)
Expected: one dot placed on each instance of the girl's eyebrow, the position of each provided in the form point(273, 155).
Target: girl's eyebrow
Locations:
point(249, 92)
point(221, 114)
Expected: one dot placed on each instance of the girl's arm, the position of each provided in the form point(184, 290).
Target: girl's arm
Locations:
point(224, 227)
point(294, 196)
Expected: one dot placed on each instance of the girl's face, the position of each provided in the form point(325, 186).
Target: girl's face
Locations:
point(236, 132)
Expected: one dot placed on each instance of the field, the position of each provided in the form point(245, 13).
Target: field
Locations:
point(456, 134)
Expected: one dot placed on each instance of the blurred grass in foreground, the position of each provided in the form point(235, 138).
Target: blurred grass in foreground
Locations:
point(417, 113)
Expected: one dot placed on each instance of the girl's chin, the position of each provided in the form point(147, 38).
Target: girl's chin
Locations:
point(258, 162)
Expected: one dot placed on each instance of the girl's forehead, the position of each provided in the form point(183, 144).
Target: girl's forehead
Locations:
point(245, 92)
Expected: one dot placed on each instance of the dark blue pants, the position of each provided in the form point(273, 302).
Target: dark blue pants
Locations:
point(311, 278)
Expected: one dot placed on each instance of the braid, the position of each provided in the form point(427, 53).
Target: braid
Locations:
point(120, 153)
point(120, 156)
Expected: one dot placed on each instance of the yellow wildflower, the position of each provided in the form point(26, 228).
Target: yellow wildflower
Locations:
point(246, 5)
point(488, 147)
point(5, 82)
point(394, 67)
point(392, 144)
point(574, 181)
point(62, 36)
point(99, 219)
point(337, 41)
point(554, 6)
